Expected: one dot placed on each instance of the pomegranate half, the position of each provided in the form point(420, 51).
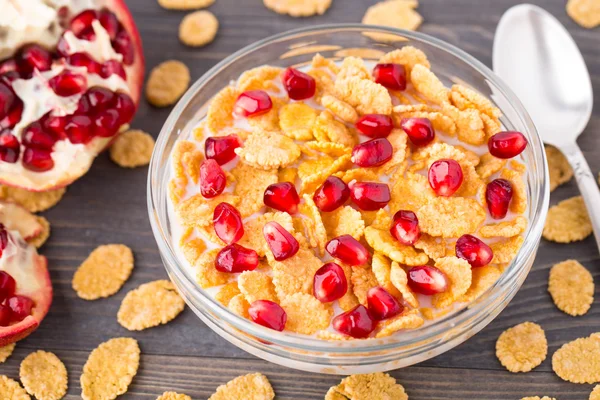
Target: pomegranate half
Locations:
point(71, 74)
point(25, 287)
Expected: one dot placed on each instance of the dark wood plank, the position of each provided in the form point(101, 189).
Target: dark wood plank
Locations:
point(108, 205)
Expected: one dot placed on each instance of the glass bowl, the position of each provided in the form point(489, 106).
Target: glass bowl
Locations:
point(297, 47)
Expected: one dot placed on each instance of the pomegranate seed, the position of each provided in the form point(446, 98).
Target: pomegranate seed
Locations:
point(282, 197)
point(109, 21)
point(228, 223)
point(269, 314)
point(212, 179)
point(95, 99)
point(356, 323)
point(329, 283)
point(7, 100)
point(9, 147)
point(37, 160)
point(347, 249)
point(20, 306)
point(5, 315)
point(222, 149)
point(372, 153)
point(82, 22)
point(477, 253)
point(68, 84)
point(122, 45)
point(55, 125)
point(125, 107)
point(3, 240)
point(32, 57)
point(375, 125)
point(235, 258)
point(113, 67)
point(405, 227)
point(370, 196)
point(84, 60)
point(9, 77)
point(34, 136)
point(106, 123)
point(13, 117)
point(9, 65)
point(382, 305)
point(419, 130)
point(251, 103)
point(298, 85)
point(498, 195)
point(427, 280)
point(445, 177)
point(507, 144)
point(79, 129)
point(392, 76)
point(282, 244)
point(331, 194)
point(7, 284)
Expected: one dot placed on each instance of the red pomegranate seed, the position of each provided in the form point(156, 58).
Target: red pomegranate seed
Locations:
point(122, 45)
point(347, 249)
point(477, 253)
point(3, 238)
point(298, 85)
point(228, 223)
point(372, 153)
point(419, 130)
point(212, 179)
point(79, 129)
point(498, 195)
point(9, 65)
point(235, 258)
point(7, 283)
point(370, 196)
point(13, 116)
point(82, 22)
point(375, 125)
point(109, 21)
point(282, 244)
point(405, 227)
point(32, 57)
point(125, 107)
point(37, 160)
point(282, 197)
point(7, 100)
point(34, 136)
point(269, 314)
point(329, 283)
point(445, 177)
point(84, 60)
point(68, 84)
point(106, 123)
point(5, 315)
point(382, 305)
point(427, 280)
point(251, 103)
point(20, 306)
point(113, 67)
point(507, 144)
point(392, 76)
point(9, 147)
point(332, 194)
point(222, 149)
point(356, 323)
point(9, 77)
point(55, 125)
point(95, 99)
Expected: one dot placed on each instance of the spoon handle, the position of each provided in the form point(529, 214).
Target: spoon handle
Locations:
point(587, 185)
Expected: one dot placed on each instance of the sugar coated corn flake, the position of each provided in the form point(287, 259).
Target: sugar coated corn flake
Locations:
point(167, 83)
point(306, 314)
point(6, 351)
point(518, 204)
point(227, 292)
point(407, 320)
point(378, 385)
point(239, 305)
point(309, 208)
point(198, 29)
point(399, 279)
point(344, 220)
point(109, 369)
point(408, 56)
point(32, 201)
point(339, 108)
point(410, 193)
point(296, 120)
point(312, 182)
point(298, 8)
point(362, 280)
point(295, 275)
point(558, 166)
point(399, 14)
point(585, 12)
point(259, 78)
point(193, 249)
point(173, 396)
point(251, 387)
point(459, 274)
point(328, 129)
point(256, 285)
point(381, 267)
point(474, 99)
point(428, 84)
point(220, 111)
point(250, 185)
point(522, 347)
point(510, 228)
point(198, 211)
point(434, 247)
point(367, 96)
point(268, 150)
point(506, 250)
point(482, 279)
point(450, 217)
point(151, 304)
point(132, 149)
point(382, 241)
point(253, 230)
point(104, 272)
point(206, 273)
point(349, 300)
point(579, 361)
point(595, 395)
point(44, 376)
point(489, 165)
point(568, 221)
point(12, 390)
point(572, 287)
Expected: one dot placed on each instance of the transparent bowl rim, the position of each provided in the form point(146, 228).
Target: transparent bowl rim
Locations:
point(301, 342)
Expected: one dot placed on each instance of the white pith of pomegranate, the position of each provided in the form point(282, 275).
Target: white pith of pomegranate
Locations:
point(65, 92)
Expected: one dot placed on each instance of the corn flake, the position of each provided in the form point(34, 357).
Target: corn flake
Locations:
point(110, 368)
point(483, 279)
point(104, 272)
point(251, 387)
point(434, 247)
point(132, 149)
point(505, 229)
point(469, 98)
point(256, 285)
point(198, 29)
point(44, 376)
point(259, 78)
point(408, 56)
point(268, 150)
point(426, 83)
point(328, 129)
point(253, 230)
point(287, 174)
point(382, 241)
point(558, 166)
point(365, 95)
point(12, 390)
point(399, 14)
point(306, 314)
point(173, 396)
point(296, 120)
point(250, 186)
point(167, 82)
point(227, 292)
point(381, 267)
point(407, 320)
point(377, 385)
point(572, 287)
point(312, 182)
point(198, 211)
point(458, 272)
point(489, 165)
point(362, 280)
point(595, 395)
point(220, 110)
point(239, 305)
point(318, 61)
point(450, 216)
point(6, 351)
point(522, 347)
point(268, 121)
point(206, 273)
point(343, 220)
point(506, 250)
point(410, 193)
point(193, 249)
point(295, 275)
point(349, 300)
point(579, 361)
point(339, 108)
point(518, 204)
point(568, 221)
point(399, 279)
point(32, 201)
point(585, 12)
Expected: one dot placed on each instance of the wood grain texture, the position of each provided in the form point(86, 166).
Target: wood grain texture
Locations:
point(108, 205)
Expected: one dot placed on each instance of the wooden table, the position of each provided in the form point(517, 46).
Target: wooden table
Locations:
point(108, 205)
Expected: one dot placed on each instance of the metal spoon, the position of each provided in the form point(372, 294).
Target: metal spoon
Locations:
point(535, 55)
